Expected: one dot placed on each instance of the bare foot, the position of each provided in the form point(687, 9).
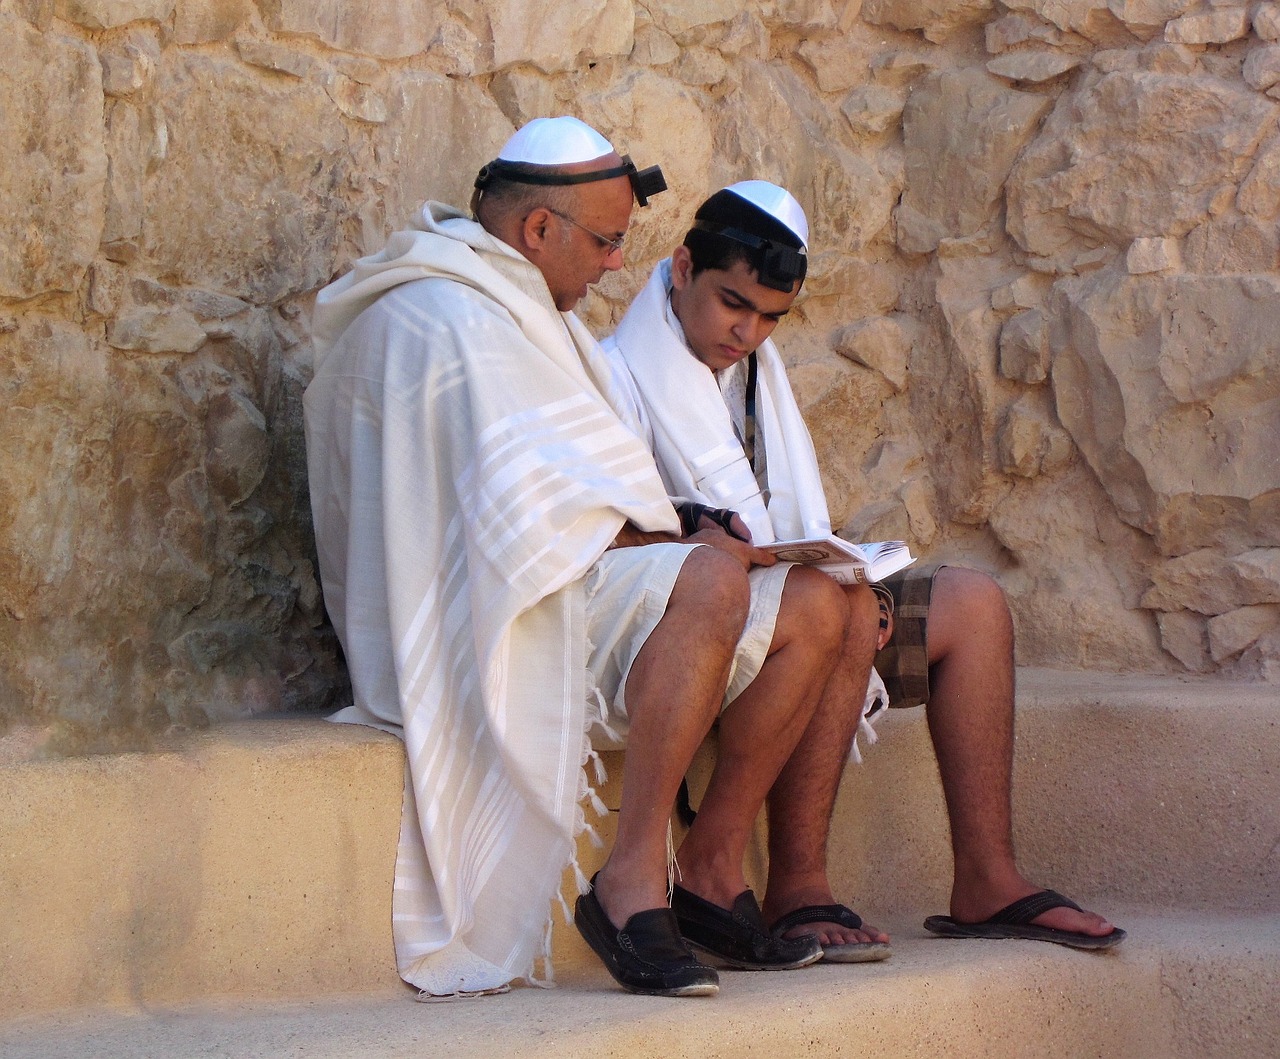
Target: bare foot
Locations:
point(979, 906)
point(827, 933)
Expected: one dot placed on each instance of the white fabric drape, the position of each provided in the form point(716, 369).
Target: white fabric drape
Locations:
point(699, 455)
point(466, 470)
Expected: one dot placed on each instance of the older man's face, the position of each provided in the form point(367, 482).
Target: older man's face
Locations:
point(580, 246)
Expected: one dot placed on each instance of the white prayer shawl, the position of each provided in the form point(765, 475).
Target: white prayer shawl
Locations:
point(674, 402)
point(466, 471)
point(700, 457)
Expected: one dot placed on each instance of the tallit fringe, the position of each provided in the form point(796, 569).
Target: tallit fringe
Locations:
point(872, 710)
point(548, 979)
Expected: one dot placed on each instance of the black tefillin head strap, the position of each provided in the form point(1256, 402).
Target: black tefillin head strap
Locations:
point(645, 183)
point(777, 266)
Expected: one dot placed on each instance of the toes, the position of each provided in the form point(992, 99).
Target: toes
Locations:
point(834, 934)
point(1077, 922)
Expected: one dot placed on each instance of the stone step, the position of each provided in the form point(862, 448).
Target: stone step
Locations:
point(1199, 987)
point(254, 862)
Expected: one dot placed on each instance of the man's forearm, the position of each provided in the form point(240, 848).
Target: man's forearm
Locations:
point(631, 536)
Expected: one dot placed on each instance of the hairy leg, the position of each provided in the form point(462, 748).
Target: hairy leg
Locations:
point(674, 690)
point(758, 734)
point(970, 716)
point(802, 799)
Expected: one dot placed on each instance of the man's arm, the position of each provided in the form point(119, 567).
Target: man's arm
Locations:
point(710, 534)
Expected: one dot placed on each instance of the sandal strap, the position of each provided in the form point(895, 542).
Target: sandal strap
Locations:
point(1024, 910)
point(839, 914)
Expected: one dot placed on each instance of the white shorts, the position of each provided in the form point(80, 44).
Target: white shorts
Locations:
point(626, 596)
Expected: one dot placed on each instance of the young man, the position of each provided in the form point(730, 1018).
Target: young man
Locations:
point(497, 550)
point(712, 398)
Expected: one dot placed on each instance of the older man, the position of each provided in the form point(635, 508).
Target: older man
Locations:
point(497, 551)
point(713, 400)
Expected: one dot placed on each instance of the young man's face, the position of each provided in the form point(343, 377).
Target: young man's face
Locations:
point(725, 313)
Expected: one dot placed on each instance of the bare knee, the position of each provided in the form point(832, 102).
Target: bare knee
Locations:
point(713, 586)
point(814, 609)
point(967, 602)
point(863, 610)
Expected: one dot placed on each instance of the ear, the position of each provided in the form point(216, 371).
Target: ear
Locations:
point(681, 267)
point(533, 229)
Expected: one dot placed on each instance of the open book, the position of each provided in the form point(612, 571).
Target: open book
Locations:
point(850, 564)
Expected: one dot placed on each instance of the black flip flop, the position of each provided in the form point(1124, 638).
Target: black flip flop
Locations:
point(847, 952)
point(1014, 922)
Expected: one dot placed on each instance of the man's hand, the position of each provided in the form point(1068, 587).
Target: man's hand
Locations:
point(736, 528)
point(709, 534)
point(742, 550)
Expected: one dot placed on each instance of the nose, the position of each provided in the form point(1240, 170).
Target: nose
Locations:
point(746, 329)
point(613, 259)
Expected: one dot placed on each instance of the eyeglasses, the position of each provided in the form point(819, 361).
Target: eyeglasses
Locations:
point(614, 245)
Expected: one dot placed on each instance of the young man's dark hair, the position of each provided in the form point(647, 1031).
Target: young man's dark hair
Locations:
point(729, 228)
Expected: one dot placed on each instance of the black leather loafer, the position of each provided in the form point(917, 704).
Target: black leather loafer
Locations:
point(738, 935)
point(646, 956)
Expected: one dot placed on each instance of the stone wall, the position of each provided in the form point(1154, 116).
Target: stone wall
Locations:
point(1041, 334)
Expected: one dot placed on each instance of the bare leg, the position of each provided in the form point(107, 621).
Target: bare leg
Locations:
point(970, 715)
point(674, 691)
point(758, 734)
point(802, 799)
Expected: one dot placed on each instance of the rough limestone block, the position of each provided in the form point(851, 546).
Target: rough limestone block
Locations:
point(1232, 244)
point(1034, 67)
point(836, 63)
point(1030, 443)
point(962, 132)
point(282, 58)
point(678, 17)
point(106, 14)
point(880, 344)
point(1152, 255)
point(1232, 633)
point(202, 21)
point(1025, 292)
point(1266, 21)
point(238, 446)
point(1184, 635)
point(654, 47)
point(701, 66)
point(1106, 165)
point(555, 36)
point(1211, 583)
point(128, 63)
point(358, 101)
point(53, 188)
point(1144, 17)
point(150, 330)
point(873, 108)
point(1164, 385)
point(1011, 30)
point(1089, 18)
point(387, 29)
point(936, 19)
point(1209, 27)
point(260, 163)
point(1024, 347)
point(126, 173)
point(1260, 192)
point(1262, 67)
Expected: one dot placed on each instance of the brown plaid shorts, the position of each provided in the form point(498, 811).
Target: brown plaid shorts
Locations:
point(903, 663)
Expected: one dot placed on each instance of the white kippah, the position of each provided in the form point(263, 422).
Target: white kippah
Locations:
point(777, 202)
point(555, 141)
